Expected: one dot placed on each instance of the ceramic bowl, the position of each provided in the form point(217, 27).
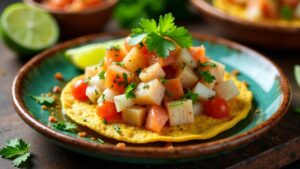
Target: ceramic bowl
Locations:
point(266, 35)
point(269, 86)
point(75, 24)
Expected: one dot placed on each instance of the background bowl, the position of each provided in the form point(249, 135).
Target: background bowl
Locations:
point(269, 86)
point(74, 24)
point(260, 34)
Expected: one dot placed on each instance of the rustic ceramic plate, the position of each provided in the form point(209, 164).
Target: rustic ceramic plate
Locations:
point(261, 34)
point(266, 81)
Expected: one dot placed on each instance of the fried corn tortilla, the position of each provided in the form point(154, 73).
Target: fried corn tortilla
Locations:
point(239, 11)
point(203, 128)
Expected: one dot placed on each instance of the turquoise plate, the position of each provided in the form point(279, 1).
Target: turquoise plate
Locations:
point(269, 86)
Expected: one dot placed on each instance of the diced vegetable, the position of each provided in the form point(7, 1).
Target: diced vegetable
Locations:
point(107, 95)
point(92, 92)
point(99, 83)
point(107, 110)
point(156, 119)
point(187, 77)
point(134, 60)
point(122, 102)
point(92, 71)
point(127, 46)
point(217, 108)
point(180, 112)
point(79, 89)
point(198, 108)
point(217, 70)
point(134, 115)
point(198, 54)
point(113, 54)
point(203, 92)
point(185, 58)
point(114, 79)
point(227, 90)
point(152, 72)
point(174, 89)
point(149, 93)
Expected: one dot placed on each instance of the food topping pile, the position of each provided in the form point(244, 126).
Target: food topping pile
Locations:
point(72, 5)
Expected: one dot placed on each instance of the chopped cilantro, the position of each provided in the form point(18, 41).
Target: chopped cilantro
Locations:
point(162, 80)
point(129, 92)
point(119, 63)
point(286, 12)
point(101, 75)
point(104, 121)
point(16, 150)
point(100, 141)
point(207, 76)
point(206, 64)
point(65, 126)
point(125, 78)
point(190, 95)
point(161, 37)
point(138, 71)
point(103, 97)
point(146, 86)
point(43, 99)
point(117, 129)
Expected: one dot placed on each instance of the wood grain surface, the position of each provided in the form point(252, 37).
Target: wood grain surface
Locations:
point(276, 149)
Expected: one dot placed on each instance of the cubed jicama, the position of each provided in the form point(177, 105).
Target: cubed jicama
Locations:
point(114, 78)
point(92, 92)
point(134, 60)
point(187, 77)
point(122, 102)
point(197, 108)
point(107, 95)
point(185, 58)
point(227, 90)
point(149, 93)
point(217, 71)
point(203, 92)
point(156, 119)
point(91, 71)
point(180, 112)
point(134, 115)
point(99, 83)
point(152, 72)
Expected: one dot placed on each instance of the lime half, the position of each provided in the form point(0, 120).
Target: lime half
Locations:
point(297, 74)
point(28, 30)
point(91, 54)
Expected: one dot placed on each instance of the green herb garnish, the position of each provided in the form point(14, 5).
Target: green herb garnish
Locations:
point(206, 64)
point(16, 150)
point(146, 86)
point(101, 75)
point(65, 126)
point(119, 64)
point(138, 71)
point(129, 92)
point(190, 95)
point(100, 141)
point(207, 76)
point(117, 129)
point(286, 12)
point(163, 80)
point(104, 121)
point(157, 35)
point(125, 78)
point(43, 99)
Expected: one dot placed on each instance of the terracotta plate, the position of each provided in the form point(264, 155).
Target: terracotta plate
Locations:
point(267, 35)
point(266, 81)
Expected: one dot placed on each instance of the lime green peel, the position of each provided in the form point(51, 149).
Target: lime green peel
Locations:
point(297, 74)
point(28, 30)
point(92, 54)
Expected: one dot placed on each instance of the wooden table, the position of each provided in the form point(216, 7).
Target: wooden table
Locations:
point(280, 147)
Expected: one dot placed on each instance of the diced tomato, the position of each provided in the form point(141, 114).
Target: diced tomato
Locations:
point(174, 89)
point(114, 79)
point(156, 119)
point(79, 89)
point(198, 53)
point(128, 47)
point(217, 108)
point(107, 110)
point(58, 4)
point(113, 54)
point(91, 3)
point(170, 72)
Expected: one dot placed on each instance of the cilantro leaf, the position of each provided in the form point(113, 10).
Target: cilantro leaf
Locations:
point(286, 12)
point(207, 76)
point(161, 37)
point(65, 126)
point(129, 91)
point(163, 80)
point(117, 129)
point(43, 99)
point(190, 95)
point(16, 150)
point(102, 75)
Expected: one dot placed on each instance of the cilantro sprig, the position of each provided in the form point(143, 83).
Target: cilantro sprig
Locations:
point(161, 37)
point(129, 91)
point(43, 99)
point(65, 126)
point(16, 150)
point(190, 95)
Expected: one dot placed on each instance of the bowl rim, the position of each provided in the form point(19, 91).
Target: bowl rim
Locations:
point(207, 8)
point(181, 151)
point(106, 5)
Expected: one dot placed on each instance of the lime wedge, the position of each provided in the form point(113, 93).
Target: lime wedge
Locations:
point(297, 74)
point(92, 54)
point(28, 30)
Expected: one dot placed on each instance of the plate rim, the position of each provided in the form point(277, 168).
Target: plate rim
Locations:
point(182, 151)
point(205, 7)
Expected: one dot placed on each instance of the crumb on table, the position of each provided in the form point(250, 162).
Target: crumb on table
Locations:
point(82, 134)
point(44, 107)
point(52, 119)
point(56, 89)
point(58, 76)
point(121, 145)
